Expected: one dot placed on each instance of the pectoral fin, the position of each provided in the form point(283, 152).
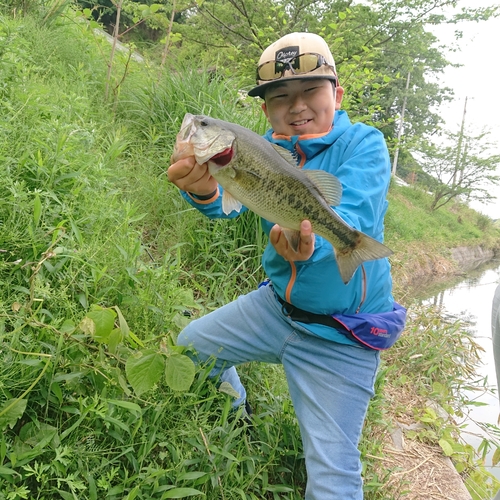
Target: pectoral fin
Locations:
point(230, 203)
point(293, 238)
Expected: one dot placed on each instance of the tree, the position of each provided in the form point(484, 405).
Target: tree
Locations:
point(461, 167)
point(375, 44)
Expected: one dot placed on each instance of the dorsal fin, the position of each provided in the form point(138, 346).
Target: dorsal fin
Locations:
point(285, 154)
point(327, 184)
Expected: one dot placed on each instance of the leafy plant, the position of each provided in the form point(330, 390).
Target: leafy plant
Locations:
point(102, 263)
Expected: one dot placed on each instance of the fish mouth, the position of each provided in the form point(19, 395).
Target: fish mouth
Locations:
point(224, 157)
point(220, 159)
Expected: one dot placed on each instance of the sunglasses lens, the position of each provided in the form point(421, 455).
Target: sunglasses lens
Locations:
point(271, 70)
point(303, 63)
point(306, 63)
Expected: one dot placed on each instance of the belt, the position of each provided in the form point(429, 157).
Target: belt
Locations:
point(302, 316)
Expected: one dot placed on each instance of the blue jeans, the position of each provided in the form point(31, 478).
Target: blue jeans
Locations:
point(330, 383)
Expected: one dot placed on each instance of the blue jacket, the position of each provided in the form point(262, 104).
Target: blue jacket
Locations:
point(357, 155)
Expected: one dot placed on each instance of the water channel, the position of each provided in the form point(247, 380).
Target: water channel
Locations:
point(470, 299)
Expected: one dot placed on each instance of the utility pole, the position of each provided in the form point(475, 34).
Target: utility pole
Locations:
point(458, 167)
point(401, 121)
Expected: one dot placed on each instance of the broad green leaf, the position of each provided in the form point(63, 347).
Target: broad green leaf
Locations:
point(175, 37)
point(182, 493)
point(181, 321)
point(446, 447)
point(37, 435)
point(143, 370)
point(114, 339)
point(227, 388)
point(122, 322)
point(71, 410)
point(104, 320)
point(133, 493)
point(35, 442)
point(67, 327)
point(438, 388)
point(185, 299)
point(11, 412)
point(5, 471)
point(179, 372)
point(65, 495)
point(56, 390)
point(133, 407)
point(87, 326)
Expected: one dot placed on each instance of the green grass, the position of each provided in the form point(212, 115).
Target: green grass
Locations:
point(410, 219)
point(89, 226)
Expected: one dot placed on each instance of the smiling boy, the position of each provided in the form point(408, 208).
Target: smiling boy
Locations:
point(330, 375)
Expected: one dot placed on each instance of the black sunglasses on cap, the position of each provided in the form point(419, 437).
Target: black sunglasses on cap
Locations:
point(298, 65)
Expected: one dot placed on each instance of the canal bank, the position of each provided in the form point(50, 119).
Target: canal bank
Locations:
point(419, 268)
point(422, 467)
point(470, 301)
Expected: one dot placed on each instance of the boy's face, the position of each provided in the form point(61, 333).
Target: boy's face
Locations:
point(300, 107)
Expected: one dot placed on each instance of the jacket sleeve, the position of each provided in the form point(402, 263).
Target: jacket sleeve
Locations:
point(365, 173)
point(212, 207)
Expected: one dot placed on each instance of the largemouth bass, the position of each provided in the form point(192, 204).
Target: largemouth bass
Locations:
point(265, 178)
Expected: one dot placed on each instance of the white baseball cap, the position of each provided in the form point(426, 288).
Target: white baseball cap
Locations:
point(295, 56)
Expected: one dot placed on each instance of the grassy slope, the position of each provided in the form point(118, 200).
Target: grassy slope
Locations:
point(88, 218)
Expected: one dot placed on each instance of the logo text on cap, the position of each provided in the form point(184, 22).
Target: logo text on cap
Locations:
point(287, 53)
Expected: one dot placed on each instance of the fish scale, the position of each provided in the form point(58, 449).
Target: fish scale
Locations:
point(265, 178)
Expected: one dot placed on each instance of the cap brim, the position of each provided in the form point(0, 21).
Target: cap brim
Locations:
point(260, 90)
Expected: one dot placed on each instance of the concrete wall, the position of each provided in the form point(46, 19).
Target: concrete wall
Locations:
point(469, 258)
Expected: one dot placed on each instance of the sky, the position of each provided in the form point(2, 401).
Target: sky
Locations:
point(478, 79)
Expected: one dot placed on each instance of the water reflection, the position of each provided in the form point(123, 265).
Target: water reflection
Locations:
point(471, 300)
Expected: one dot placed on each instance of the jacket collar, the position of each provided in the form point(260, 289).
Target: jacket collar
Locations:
point(311, 145)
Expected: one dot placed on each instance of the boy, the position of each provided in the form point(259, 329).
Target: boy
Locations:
point(330, 376)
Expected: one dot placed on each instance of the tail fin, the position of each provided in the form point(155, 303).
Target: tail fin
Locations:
point(366, 249)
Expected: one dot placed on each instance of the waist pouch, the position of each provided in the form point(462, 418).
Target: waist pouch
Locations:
point(377, 331)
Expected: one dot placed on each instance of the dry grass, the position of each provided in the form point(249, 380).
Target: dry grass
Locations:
point(421, 469)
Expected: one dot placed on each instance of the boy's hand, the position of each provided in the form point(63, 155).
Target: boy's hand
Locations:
point(187, 175)
point(283, 248)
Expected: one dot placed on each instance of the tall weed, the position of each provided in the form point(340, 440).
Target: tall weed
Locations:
point(102, 263)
